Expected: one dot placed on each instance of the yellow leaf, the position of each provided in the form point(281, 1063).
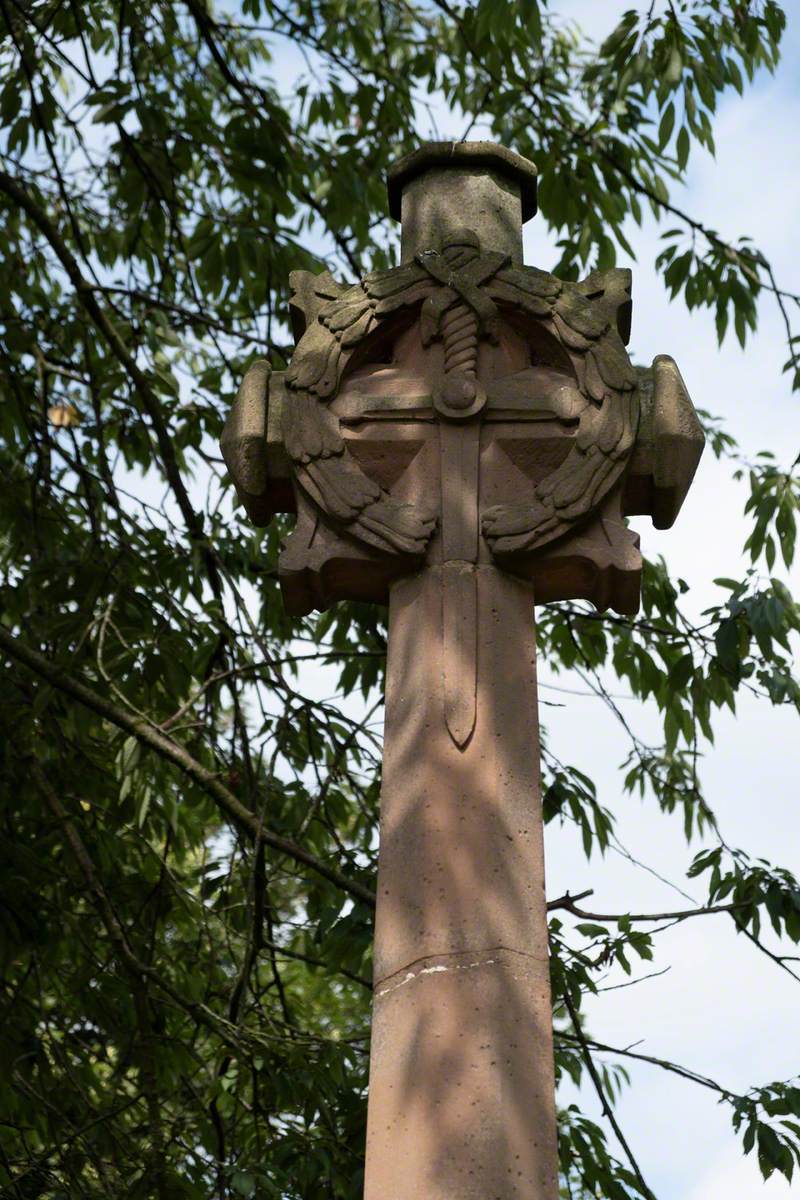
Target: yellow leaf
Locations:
point(63, 416)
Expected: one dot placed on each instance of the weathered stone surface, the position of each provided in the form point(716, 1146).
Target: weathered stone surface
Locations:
point(668, 448)
point(461, 841)
point(449, 185)
point(491, 344)
point(252, 445)
point(461, 1092)
point(309, 295)
point(463, 435)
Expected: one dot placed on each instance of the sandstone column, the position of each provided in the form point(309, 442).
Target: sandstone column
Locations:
point(459, 435)
point(461, 1085)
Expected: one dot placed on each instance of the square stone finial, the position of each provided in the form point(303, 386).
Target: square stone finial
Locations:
point(452, 185)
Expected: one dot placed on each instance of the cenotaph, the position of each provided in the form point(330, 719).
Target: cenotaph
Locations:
point(462, 437)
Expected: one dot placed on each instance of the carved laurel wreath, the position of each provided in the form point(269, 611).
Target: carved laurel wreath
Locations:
point(585, 318)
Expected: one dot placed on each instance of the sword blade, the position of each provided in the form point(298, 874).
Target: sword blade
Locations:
point(460, 465)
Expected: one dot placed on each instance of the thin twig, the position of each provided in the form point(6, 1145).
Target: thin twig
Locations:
point(598, 1084)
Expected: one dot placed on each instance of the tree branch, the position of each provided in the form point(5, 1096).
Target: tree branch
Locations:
point(172, 752)
point(665, 1064)
point(567, 903)
point(86, 297)
point(598, 1085)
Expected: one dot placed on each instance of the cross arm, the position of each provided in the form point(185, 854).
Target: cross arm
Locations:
point(252, 445)
point(668, 446)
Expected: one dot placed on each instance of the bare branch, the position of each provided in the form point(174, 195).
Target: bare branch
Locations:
point(598, 1085)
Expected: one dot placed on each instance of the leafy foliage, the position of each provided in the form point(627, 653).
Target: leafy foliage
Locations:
point(189, 830)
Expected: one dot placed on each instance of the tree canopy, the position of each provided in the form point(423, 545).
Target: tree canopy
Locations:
point(189, 849)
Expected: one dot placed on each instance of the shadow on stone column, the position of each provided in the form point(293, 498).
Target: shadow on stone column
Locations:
point(461, 1093)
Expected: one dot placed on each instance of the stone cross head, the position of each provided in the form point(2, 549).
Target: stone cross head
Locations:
point(462, 407)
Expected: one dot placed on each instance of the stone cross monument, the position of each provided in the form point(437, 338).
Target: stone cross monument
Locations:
point(461, 437)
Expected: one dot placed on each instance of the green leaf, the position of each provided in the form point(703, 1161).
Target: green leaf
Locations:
point(674, 70)
point(666, 125)
point(243, 1183)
